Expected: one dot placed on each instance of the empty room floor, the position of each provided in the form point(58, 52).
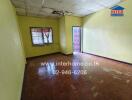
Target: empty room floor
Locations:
point(102, 79)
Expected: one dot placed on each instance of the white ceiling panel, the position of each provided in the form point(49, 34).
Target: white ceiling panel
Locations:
point(43, 14)
point(21, 11)
point(18, 3)
point(63, 7)
point(47, 10)
point(34, 3)
point(33, 9)
point(108, 3)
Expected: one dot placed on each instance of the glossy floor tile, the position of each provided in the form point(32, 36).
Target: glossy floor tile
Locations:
point(76, 77)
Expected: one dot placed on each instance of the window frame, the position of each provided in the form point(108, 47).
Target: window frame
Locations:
point(42, 37)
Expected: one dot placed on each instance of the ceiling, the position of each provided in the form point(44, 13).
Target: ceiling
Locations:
point(44, 8)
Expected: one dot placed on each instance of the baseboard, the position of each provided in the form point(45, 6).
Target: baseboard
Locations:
point(108, 58)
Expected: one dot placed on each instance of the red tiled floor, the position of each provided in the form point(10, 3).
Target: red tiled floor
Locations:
point(103, 80)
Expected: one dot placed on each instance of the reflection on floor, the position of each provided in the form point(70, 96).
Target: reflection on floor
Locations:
point(77, 77)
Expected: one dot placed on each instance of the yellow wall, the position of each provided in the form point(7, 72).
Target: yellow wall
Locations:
point(11, 54)
point(62, 35)
point(109, 36)
point(71, 21)
point(66, 24)
point(27, 22)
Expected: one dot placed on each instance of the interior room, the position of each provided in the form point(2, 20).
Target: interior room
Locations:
point(65, 50)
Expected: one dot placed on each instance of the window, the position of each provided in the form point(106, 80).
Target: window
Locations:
point(41, 36)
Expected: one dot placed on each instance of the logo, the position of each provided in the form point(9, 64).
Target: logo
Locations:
point(117, 11)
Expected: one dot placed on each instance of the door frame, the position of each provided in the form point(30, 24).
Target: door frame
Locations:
point(80, 38)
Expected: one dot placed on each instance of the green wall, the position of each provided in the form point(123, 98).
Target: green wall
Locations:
point(27, 22)
point(109, 36)
point(66, 24)
point(12, 60)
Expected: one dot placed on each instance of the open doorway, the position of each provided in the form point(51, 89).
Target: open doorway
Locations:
point(76, 31)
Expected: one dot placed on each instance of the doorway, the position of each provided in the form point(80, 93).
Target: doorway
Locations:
point(76, 32)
